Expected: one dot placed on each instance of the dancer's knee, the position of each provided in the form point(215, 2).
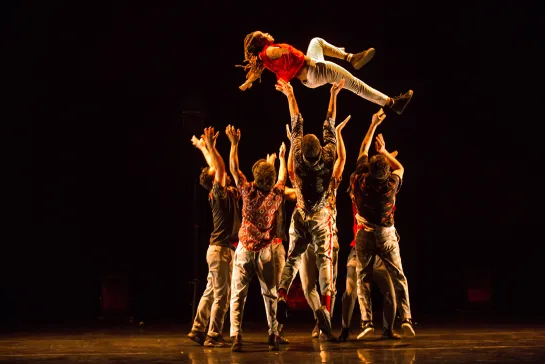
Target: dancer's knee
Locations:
point(318, 40)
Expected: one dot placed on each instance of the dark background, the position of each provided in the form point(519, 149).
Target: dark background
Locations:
point(107, 96)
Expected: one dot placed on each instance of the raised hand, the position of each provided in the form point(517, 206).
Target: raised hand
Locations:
point(380, 144)
point(271, 158)
point(246, 85)
point(198, 143)
point(282, 151)
point(288, 132)
point(378, 117)
point(232, 134)
point(337, 87)
point(284, 87)
point(210, 137)
point(340, 127)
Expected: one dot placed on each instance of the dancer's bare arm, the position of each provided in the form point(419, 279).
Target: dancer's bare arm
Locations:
point(286, 89)
point(291, 170)
point(234, 138)
point(289, 192)
point(375, 122)
point(296, 122)
point(210, 138)
point(330, 136)
point(380, 146)
point(332, 107)
point(201, 145)
point(338, 168)
point(282, 156)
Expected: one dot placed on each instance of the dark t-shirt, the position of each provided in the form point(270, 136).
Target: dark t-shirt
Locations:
point(226, 214)
point(375, 199)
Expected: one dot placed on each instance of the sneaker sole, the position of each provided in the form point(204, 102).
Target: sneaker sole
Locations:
point(365, 333)
point(362, 62)
point(408, 330)
point(324, 322)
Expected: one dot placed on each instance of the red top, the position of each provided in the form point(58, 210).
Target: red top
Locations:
point(287, 66)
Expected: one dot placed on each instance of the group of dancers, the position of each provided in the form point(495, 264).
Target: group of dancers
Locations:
point(249, 216)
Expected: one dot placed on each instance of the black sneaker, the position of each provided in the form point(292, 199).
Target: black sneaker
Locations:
point(274, 342)
point(361, 59)
point(216, 342)
point(345, 332)
point(282, 311)
point(390, 335)
point(401, 101)
point(366, 330)
point(237, 343)
point(316, 331)
point(197, 336)
point(324, 320)
point(407, 326)
point(282, 339)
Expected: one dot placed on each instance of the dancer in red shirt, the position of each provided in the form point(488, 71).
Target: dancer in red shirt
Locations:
point(287, 62)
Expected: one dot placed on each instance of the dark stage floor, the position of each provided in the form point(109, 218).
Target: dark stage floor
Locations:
point(454, 341)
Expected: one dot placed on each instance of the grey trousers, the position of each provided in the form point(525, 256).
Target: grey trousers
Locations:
point(308, 274)
point(311, 229)
point(378, 241)
point(321, 72)
point(215, 299)
point(246, 264)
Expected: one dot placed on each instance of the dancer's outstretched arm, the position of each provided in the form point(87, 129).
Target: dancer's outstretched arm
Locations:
point(366, 143)
point(210, 138)
point(282, 156)
point(291, 170)
point(296, 122)
point(397, 167)
point(332, 107)
point(289, 192)
point(341, 151)
point(286, 89)
point(201, 145)
point(234, 138)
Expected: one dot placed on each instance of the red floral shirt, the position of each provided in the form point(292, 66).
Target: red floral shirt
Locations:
point(259, 209)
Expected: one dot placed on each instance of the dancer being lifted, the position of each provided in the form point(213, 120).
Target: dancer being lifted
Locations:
point(287, 62)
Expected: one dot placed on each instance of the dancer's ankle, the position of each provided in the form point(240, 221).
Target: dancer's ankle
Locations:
point(390, 102)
